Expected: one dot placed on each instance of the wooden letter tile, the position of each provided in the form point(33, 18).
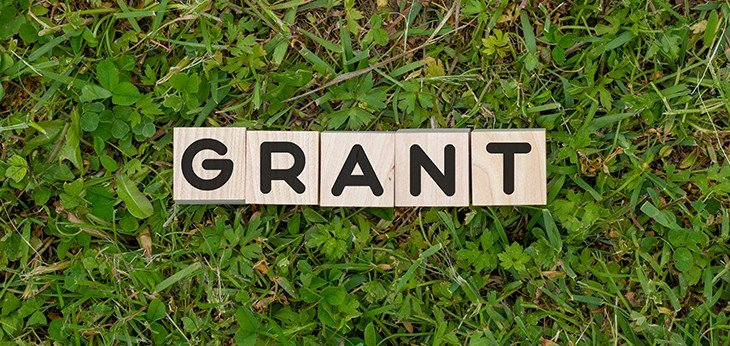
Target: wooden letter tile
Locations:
point(432, 168)
point(357, 169)
point(209, 165)
point(495, 154)
point(282, 167)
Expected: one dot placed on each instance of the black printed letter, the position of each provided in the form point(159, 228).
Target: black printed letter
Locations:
point(357, 156)
point(508, 165)
point(446, 181)
point(225, 166)
point(288, 175)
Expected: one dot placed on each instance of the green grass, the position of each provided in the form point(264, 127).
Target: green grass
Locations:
point(632, 247)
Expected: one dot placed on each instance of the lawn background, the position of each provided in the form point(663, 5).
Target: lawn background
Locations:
point(632, 247)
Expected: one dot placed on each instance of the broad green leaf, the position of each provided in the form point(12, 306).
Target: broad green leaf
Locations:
point(334, 295)
point(370, 336)
point(552, 231)
point(658, 216)
point(608, 120)
point(10, 20)
point(92, 92)
point(47, 132)
point(320, 41)
point(107, 74)
point(280, 52)
point(11, 325)
point(6, 61)
point(620, 40)
point(10, 304)
point(119, 129)
point(352, 15)
point(89, 121)
point(312, 216)
point(173, 101)
point(558, 54)
point(186, 272)
point(148, 130)
point(71, 149)
point(17, 168)
point(710, 29)
point(528, 33)
point(136, 202)
point(683, 260)
point(531, 61)
point(156, 310)
point(318, 64)
point(125, 94)
point(403, 280)
point(37, 318)
point(108, 162)
point(179, 81)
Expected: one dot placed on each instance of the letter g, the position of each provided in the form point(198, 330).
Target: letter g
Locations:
point(225, 166)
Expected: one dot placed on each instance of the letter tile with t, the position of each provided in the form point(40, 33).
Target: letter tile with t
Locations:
point(508, 167)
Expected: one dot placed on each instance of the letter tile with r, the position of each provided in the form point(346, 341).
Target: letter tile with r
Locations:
point(282, 167)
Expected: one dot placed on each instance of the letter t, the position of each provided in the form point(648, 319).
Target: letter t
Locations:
point(508, 164)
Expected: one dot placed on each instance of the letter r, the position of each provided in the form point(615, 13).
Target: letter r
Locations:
point(288, 175)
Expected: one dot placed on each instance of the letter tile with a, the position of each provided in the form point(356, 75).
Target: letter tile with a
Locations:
point(357, 169)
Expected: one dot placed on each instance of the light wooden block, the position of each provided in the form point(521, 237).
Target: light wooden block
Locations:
point(281, 192)
point(489, 181)
point(434, 144)
point(218, 146)
point(372, 154)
